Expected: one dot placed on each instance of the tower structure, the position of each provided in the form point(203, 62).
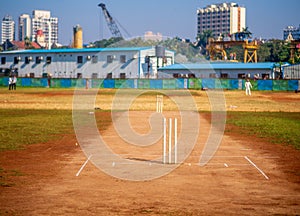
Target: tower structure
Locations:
point(7, 29)
point(42, 20)
point(77, 37)
point(221, 19)
point(24, 27)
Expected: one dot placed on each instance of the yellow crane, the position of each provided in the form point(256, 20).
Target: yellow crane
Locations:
point(219, 48)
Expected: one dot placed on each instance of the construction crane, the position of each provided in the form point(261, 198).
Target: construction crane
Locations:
point(110, 22)
point(218, 47)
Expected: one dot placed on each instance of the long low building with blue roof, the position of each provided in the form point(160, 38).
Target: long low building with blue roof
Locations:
point(227, 70)
point(112, 63)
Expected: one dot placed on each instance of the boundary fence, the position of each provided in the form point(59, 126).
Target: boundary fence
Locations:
point(193, 83)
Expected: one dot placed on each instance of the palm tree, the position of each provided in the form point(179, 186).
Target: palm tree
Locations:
point(246, 33)
point(27, 43)
point(203, 38)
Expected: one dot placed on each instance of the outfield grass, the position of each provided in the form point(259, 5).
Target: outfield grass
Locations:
point(22, 127)
point(277, 127)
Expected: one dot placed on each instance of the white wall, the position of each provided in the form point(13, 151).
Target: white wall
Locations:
point(64, 64)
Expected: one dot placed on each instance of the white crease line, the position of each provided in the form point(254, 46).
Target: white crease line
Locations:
point(256, 167)
point(78, 173)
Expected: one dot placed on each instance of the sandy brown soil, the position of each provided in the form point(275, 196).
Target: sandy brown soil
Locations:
point(228, 185)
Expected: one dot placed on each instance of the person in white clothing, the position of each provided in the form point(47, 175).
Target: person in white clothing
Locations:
point(14, 83)
point(10, 82)
point(248, 87)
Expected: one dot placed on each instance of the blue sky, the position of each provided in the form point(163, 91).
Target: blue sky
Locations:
point(265, 18)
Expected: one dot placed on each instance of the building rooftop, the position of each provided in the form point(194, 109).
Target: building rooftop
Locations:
point(219, 66)
point(33, 51)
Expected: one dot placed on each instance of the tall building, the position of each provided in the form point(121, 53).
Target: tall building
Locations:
point(225, 18)
point(7, 29)
point(292, 33)
point(42, 20)
point(24, 27)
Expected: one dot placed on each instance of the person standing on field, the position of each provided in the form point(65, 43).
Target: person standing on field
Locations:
point(10, 80)
point(14, 83)
point(248, 87)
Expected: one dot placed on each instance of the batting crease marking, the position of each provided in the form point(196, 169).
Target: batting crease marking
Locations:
point(253, 164)
point(78, 173)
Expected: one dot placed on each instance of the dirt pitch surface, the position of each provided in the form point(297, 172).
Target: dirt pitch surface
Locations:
point(247, 176)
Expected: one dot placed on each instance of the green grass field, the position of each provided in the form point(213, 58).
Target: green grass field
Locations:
point(23, 127)
point(276, 127)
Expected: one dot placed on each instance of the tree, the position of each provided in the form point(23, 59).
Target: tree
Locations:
point(28, 43)
point(263, 53)
point(247, 33)
point(203, 39)
point(274, 51)
point(107, 42)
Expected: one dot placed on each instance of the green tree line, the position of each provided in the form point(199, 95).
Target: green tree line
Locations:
point(273, 50)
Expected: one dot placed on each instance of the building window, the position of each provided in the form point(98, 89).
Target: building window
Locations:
point(109, 59)
point(3, 60)
point(38, 59)
point(241, 76)
point(48, 60)
point(224, 75)
point(79, 59)
point(191, 75)
point(17, 59)
point(122, 75)
point(28, 59)
point(109, 76)
point(94, 59)
point(123, 59)
point(94, 75)
point(212, 75)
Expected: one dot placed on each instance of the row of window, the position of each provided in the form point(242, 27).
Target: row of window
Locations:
point(7, 72)
point(215, 12)
point(214, 17)
point(215, 26)
point(212, 75)
point(39, 59)
point(219, 21)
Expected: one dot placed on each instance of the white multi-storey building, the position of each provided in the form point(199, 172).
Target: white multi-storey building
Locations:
point(7, 29)
point(42, 20)
point(225, 18)
point(111, 63)
point(24, 27)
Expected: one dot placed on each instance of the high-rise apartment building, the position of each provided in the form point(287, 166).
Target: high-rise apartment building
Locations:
point(7, 29)
point(42, 20)
point(225, 18)
point(24, 27)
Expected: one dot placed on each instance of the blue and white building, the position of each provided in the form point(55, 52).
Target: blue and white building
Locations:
point(226, 70)
point(113, 63)
point(291, 31)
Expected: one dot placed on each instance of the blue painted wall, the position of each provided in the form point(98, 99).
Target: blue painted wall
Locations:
point(231, 84)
